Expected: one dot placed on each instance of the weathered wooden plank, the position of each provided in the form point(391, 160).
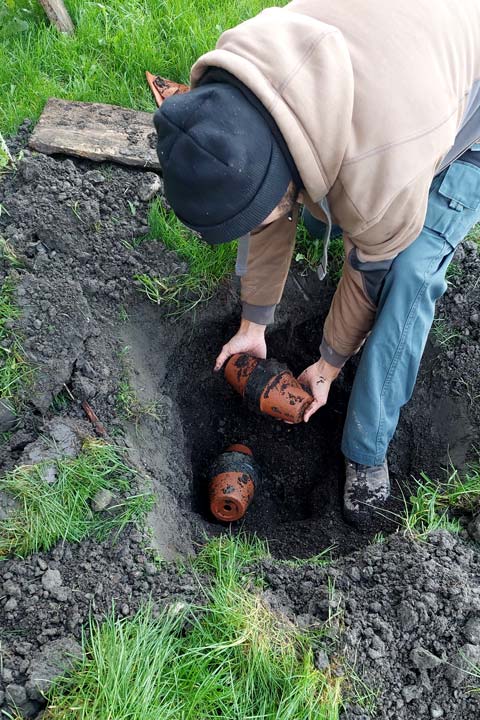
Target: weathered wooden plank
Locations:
point(58, 15)
point(97, 132)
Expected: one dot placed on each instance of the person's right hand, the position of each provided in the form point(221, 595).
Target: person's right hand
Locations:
point(250, 338)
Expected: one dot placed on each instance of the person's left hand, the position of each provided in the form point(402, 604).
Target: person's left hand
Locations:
point(318, 378)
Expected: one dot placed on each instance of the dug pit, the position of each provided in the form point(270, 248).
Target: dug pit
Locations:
point(297, 501)
point(75, 228)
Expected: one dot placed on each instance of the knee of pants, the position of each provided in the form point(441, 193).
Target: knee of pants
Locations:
point(423, 265)
point(408, 268)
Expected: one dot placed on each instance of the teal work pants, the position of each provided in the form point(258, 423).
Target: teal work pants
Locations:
point(409, 288)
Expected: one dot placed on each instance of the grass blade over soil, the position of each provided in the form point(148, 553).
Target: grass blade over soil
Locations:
point(232, 658)
point(431, 507)
point(207, 265)
point(309, 252)
point(5, 157)
point(14, 371)
point(474, 234)
point(49, 512)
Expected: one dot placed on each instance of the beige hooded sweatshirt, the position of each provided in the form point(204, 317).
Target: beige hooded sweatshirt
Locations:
point(370, 97)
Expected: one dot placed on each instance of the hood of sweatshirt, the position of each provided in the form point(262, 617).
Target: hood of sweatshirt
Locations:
point(300, 70)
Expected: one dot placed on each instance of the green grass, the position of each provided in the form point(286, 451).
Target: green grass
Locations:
point(432, 505)
point(14, 371)
point(129, 405)
point(472, 670)
point(231, 658)
point(444, 335)
point(48, 513)
point(322, 559)
point(207, 265)
point(104, 61)
point(5, 157)
point(454, 273)
point(7, 253)
point(61, 402)
point(358, 692)
point(227, 556)
point(309, 252)
point(474, 234)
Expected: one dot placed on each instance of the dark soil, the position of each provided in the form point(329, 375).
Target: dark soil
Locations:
point(445, 409)
point(406, 615)
point(85, 326)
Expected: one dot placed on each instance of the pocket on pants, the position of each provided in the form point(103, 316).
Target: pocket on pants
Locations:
point(454, 206)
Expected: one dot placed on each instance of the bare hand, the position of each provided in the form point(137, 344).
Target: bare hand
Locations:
point(250, 338)
point(318, 378)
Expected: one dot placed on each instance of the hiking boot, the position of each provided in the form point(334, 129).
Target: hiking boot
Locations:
point(367, 487)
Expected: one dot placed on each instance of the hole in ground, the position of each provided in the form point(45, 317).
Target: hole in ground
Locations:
point(297, 504)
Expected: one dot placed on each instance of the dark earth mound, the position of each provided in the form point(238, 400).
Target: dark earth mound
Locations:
point(407, 616)
point(74, 227)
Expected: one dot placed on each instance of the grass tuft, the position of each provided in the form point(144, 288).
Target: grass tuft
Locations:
point(49, 512)
point(8, 255)
point(5, 157)
point(61, 401)
point(207, 265)
point(444, 335)
point(129, 405)
point(359, 693)
point(431, 507)
point(231, 658)
point(309, 251)
point(228, 555)
point(454, 273)
point(14, 371)
point(474, 234)
point(322, 559)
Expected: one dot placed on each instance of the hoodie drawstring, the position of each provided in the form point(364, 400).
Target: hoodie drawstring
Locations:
point(242, 255)
point(322, 268)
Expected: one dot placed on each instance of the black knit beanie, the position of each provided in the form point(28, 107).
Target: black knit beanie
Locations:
point(223, 169)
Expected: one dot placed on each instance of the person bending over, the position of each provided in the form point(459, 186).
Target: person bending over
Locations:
point(367, 113)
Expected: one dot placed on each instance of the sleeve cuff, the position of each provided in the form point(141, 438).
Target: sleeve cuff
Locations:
point(331, 356)
point(260, 314)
